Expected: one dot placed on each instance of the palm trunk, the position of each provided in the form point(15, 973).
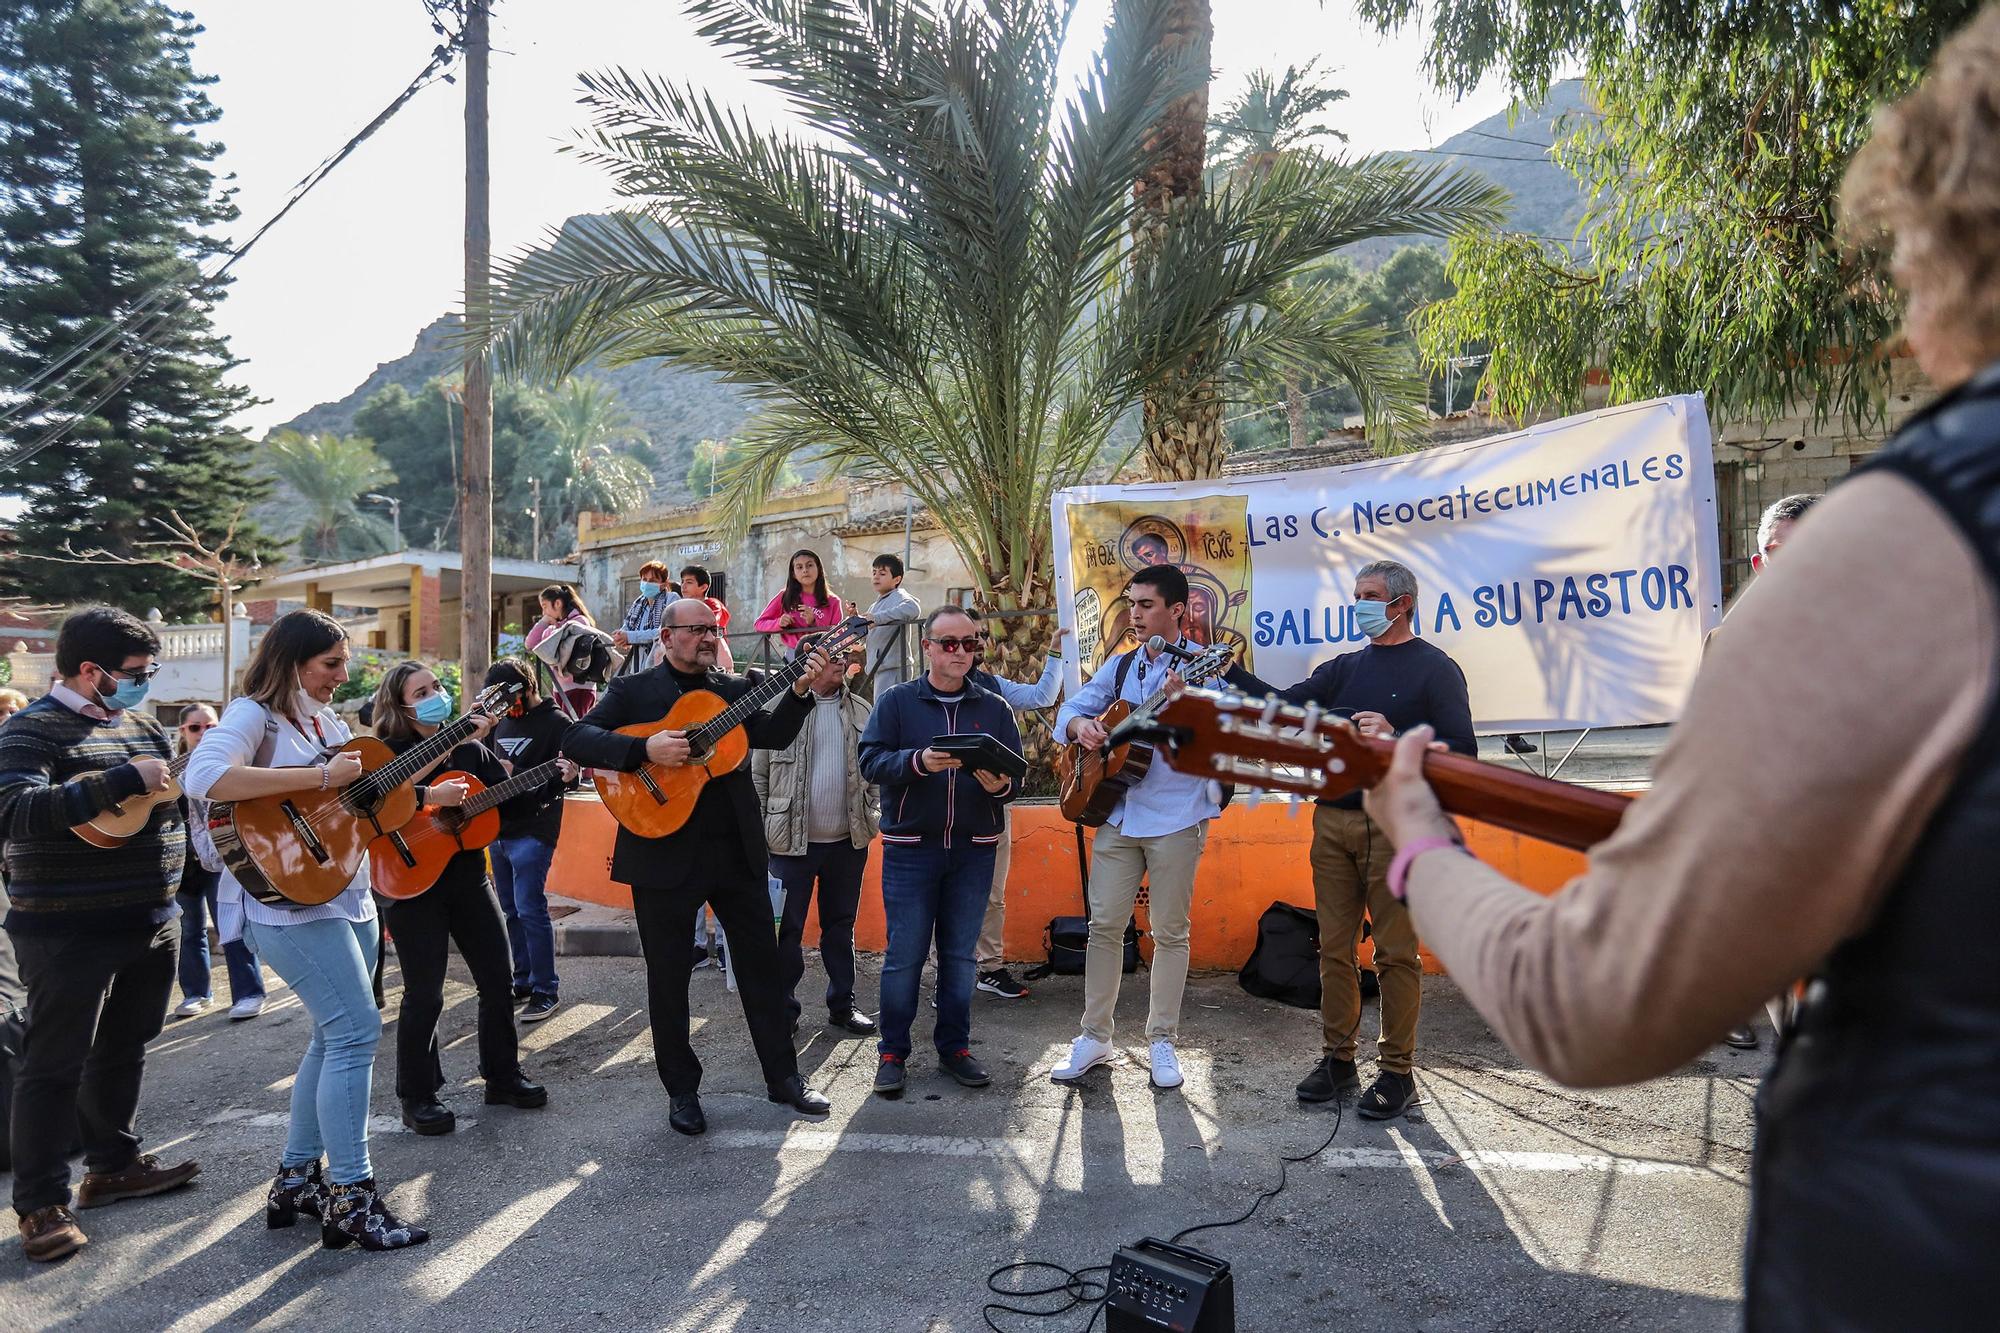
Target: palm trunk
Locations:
point(1182, 417)
point(1295, 411)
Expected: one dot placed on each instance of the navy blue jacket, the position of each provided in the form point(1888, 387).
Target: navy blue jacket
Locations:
point(948, 809)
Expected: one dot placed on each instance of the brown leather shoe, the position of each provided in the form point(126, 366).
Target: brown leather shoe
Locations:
point(50, 1233)
point(145, 1176)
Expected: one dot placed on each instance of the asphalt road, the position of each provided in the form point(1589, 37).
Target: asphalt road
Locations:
point(1508, 1203)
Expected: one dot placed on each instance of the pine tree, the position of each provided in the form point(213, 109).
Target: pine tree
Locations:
point(107, 196)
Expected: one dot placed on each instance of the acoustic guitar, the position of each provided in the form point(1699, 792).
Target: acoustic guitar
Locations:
point(1279, 747)
point(115, 827)
point(653, 801)
point(304, 848)
point(407, 861)
point(1091, 781)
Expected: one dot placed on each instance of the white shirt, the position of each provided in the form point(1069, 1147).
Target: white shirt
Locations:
point(234, 743)
point(1166, 800)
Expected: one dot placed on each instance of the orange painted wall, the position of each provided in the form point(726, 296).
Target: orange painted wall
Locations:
point(1256, 854)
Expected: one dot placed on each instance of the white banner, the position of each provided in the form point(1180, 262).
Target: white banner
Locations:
point(1571, 569)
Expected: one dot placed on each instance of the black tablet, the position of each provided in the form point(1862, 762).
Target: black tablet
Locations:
point(978, 750)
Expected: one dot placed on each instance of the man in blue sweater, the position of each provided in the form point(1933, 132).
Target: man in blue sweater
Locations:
point(93, 927)
point(1397, 682)
point(940, 824)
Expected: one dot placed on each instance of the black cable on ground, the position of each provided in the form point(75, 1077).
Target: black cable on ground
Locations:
point(1079, 1287)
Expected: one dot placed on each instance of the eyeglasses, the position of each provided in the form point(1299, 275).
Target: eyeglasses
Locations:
point(968, 644)
point(136, 674)
point(699, 631)
point(198, 726)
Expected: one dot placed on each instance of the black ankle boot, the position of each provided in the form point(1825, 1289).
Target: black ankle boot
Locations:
point(356, 1213)
point(428, 1115)
point(297, 1189)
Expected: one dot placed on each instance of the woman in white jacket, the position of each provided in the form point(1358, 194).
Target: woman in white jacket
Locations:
point(275, 740)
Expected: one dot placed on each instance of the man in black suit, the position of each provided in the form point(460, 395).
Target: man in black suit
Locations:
point(718, 856)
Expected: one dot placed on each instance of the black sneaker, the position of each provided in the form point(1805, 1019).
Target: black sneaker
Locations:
point(521, 995)
point(1001, 982)
point(1388, 1097)
point(537, 1008)
point(1329, 1079)
point(961, 1066)
point(889, 1077)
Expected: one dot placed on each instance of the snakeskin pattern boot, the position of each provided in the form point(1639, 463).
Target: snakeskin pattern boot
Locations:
point(356, 1213)
point(297, 1189)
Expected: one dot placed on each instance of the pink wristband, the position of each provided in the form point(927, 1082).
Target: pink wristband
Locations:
point(1406, 855)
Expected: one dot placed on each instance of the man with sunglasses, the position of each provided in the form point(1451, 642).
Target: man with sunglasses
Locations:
point(940, 825)
point(95, 933)
point(990, 957)
point(718, 856)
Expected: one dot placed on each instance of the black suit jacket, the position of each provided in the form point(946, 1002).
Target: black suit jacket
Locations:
point(648, 697)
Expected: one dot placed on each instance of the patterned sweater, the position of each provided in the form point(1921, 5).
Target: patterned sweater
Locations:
point(58, 769)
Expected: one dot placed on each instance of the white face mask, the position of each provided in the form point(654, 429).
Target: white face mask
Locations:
point(307, 705)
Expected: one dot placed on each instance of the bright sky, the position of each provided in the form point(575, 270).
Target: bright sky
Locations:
point(374, 254)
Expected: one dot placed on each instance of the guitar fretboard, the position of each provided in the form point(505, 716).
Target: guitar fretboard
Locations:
point(1211, 663)
point(520, 784)
point(703, 738)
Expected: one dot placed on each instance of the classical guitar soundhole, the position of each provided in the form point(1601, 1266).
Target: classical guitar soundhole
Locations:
point(306, 834)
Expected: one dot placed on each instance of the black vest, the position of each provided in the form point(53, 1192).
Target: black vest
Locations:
point(1875, 1191)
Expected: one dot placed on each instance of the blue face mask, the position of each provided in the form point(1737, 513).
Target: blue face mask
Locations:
point(1373, 618)
point(128, 695)
point(433, 709)
point(648, 589)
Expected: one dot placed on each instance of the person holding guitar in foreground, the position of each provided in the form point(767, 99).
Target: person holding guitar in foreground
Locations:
point(718, 855)
point(93, 928)
point(459, 908)
point(1155, 832)
point(1394, 683)
point(1828, 806)
point(274, 740)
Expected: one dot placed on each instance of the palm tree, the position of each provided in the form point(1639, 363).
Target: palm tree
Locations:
point(1274, 115)
point(323, 476)
point(585, 468)
point(1272, 118)
point(932, 284)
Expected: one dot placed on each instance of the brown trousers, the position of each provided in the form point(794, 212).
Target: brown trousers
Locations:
point(1350, 864)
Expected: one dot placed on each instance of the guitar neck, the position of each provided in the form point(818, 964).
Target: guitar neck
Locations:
point(420, 756)
point(703, 737)
point(1196, 673)
point(518, 785)
point(1559, 812)
point(178, 764)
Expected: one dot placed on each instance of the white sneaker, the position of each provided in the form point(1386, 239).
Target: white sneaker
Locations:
point(1085, 1054)
point(1166, 1065)
point(190, 1007)
point(249, 1007)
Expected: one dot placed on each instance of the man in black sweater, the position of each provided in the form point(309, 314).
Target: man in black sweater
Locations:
point(94, 927)
point(1397, 682)
point(718, 856)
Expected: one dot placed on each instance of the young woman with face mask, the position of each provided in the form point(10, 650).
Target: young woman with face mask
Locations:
point(460, 908)
point(275, 739)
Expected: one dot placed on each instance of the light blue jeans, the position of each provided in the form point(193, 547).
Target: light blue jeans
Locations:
point(329, 964)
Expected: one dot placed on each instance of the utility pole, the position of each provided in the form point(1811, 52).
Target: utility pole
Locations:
point(475, 522)
point(535, 513)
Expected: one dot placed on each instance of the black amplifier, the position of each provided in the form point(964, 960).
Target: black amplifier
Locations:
point(1155, 1284)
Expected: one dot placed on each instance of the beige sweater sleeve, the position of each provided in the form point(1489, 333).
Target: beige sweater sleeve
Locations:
point(1826, 725)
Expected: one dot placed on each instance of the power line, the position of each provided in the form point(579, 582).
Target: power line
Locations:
point(136, 326)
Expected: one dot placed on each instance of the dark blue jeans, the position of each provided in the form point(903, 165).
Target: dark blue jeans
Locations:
point(932, 892)
point(197, 903)
point(520, 876)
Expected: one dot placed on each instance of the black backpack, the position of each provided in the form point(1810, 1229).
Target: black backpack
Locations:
point(1285, 964)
